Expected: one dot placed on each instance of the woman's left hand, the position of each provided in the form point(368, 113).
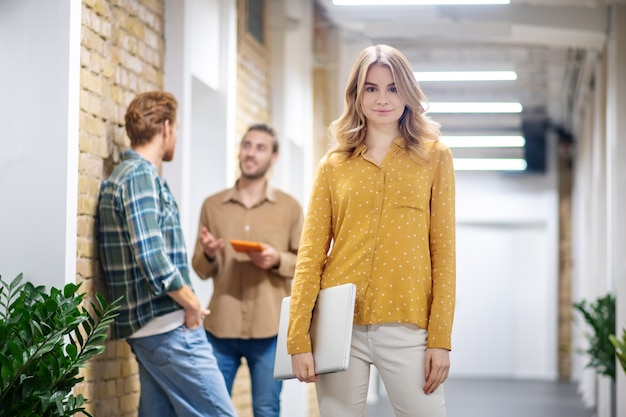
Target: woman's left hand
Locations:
point(436, 368)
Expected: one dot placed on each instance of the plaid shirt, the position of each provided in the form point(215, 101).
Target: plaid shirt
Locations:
point(141, 243)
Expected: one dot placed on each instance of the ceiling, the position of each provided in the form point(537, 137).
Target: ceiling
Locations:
point(549, 43)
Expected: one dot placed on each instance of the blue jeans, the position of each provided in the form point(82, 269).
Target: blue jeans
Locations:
point(179, 376)
point(259, 354)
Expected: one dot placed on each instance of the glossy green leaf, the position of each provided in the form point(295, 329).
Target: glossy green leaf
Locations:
point(46, 337)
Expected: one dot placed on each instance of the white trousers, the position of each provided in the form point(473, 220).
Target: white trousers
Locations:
point(397, 351)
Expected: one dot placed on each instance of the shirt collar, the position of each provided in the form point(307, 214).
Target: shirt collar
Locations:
point(396, 145)
point(235, 196)
point(130, 154)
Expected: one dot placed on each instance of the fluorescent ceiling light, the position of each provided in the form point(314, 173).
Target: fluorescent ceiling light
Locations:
point(484, 141)
point(423, 76)
point(474, 107)
point(489, 164)
point(415, 2)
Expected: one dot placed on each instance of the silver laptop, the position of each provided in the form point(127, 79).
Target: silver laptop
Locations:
point(331, 332)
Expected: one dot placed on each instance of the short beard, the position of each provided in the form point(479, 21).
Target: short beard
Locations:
point(168, 156)
point(256, 175)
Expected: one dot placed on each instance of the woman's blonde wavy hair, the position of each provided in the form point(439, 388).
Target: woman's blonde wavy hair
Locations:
point(348, 131)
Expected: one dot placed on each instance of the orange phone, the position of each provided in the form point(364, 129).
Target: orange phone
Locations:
point(246, 245)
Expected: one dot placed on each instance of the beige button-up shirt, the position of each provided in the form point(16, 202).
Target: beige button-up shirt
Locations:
point(246, 299)
point(392, 231)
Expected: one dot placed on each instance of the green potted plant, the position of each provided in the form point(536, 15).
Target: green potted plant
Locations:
point(45, 338)
point(600, 316)
point(620, 348)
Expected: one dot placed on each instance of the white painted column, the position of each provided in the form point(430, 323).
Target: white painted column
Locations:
point(616, 150)
point(290, 43)
point(178, 82)
point(583, 209)
point(599, 276)
point(39, 108)
point(201, 70)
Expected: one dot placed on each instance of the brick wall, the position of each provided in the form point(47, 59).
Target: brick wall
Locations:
point(253, 99)
point(565, 309)
point(324, 83)
point(121, 54)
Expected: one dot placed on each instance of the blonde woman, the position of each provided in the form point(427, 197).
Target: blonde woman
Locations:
point(382, 216)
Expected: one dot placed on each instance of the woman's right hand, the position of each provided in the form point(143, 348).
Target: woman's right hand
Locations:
point(303, 366)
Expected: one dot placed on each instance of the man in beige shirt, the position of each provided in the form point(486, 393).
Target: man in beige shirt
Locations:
point(249, 286)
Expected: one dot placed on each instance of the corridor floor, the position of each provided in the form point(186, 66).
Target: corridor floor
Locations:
point(502, 398)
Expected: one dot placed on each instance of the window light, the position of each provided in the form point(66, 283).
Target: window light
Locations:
point(474, 107)
point(425, 76)
point(483, 141)
point(489, 164)
point(415, 2)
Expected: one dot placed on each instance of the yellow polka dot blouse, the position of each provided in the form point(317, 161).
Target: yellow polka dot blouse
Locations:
point(389, 229)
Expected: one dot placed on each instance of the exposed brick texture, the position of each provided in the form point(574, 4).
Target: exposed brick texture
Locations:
point(565, 309)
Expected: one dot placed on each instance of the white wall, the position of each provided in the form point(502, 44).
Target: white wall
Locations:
point(598, 226)
point(616, 167)
point(201, 72)
point(507, 241)
point(290, 42)
point(39, 81)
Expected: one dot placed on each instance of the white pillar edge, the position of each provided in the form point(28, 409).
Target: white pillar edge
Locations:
point(73, 133)
point(616, 135)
